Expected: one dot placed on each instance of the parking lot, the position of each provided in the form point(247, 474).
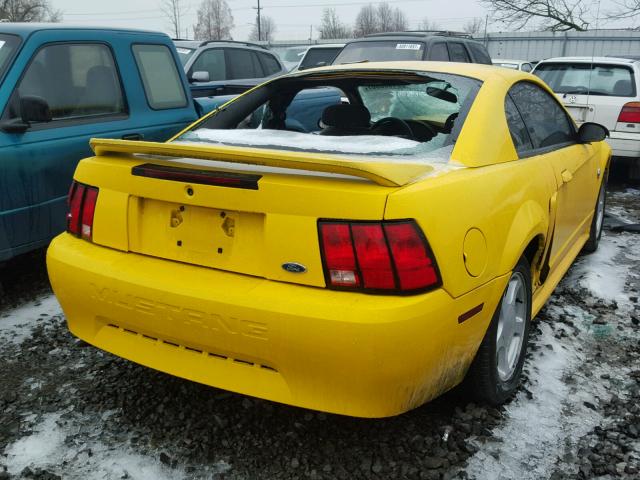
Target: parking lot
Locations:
point(70, 411)
point(277, 244)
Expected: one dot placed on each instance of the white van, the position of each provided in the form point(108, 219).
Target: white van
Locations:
point(605, 90)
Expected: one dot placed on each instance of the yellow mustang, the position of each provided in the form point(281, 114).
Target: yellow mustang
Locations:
point(360, 256)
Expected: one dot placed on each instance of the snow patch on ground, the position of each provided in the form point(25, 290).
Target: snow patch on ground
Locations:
point(603, 273)
point(54, 442)
point(536, 430)
point(537, 433)
point(17, 324)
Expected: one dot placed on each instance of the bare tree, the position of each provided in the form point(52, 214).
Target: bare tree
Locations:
point(385, 17)
point(28, 11)
point(174, 10)
point(366, 21)
point(215, 21)
point(267, 29)
point(474, 26)
point(400, 22)
point(429, 25)
point(626, 9)
point(553, 15)
point(331, 26)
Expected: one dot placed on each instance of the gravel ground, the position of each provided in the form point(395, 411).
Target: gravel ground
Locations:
point(70, 411)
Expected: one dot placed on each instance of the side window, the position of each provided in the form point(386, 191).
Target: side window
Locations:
point(212, 62)
point(160, 76)
point(458, 52)
point(517, 128)
point(526, 67)
point(546, 121)
point(269, 64)
point(87, 81)
point(479, 52)
point(241, 64)
point(439, 52)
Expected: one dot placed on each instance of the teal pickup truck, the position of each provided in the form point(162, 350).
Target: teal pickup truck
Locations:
point(61, 86)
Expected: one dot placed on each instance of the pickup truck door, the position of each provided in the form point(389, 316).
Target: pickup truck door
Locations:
point(80, 76)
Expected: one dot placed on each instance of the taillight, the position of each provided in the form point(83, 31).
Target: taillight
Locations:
point(384, 257)
point(82, 205)
point(630, 113)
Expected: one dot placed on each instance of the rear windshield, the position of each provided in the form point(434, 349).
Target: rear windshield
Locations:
point(318, 57)
point(588, 79)
point(8, 46)
point(408, 115)
point(381, 51)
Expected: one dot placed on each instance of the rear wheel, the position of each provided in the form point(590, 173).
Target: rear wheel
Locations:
point(598, 220)
point(495, 372)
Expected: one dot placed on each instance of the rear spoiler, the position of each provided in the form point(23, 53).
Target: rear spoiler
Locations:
point(388, 173)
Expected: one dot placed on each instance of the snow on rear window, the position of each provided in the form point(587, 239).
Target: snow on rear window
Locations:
point(375, 145)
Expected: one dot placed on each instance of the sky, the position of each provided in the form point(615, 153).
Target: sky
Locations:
point(294, 19)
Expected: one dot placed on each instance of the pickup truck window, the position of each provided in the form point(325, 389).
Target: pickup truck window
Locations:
point(160, 76)
point(212, 62)
point(8, 46)
point(87, 81)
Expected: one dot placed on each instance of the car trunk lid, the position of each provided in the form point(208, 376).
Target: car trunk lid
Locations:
point(250, 211)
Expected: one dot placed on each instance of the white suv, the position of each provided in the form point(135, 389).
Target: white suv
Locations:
point(604, 90)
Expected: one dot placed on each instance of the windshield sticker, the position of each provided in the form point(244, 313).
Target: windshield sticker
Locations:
point(1, 43)
point(408, 46)
point(183, 51)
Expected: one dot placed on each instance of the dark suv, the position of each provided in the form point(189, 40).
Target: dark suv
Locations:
point(419, 45)
point(226, 67)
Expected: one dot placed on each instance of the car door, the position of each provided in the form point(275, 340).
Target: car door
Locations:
point(553, 137)
point(78, 75)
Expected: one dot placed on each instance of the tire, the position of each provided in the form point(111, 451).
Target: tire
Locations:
point(595, 232)
point(495, 373)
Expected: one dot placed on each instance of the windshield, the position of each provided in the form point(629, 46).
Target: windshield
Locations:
point(362, 113)
point(588, 79)
point(185, 54)
point(381, 51)
point(8, 46)
point(318, 57)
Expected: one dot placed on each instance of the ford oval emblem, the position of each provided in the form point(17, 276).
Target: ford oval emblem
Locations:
point(293, 267)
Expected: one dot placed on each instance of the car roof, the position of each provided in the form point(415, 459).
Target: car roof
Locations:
point(229, 43)
point(327, 45)
point(26, 29)
point(508, 60)
point(417, 34)
point(618, 60)
point(474, 70)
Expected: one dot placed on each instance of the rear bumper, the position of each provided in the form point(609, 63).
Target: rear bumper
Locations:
point(624, 144)
point(340, 352)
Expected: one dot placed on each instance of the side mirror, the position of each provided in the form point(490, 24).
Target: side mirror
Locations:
point(592, 132)
point(199, 77)
point(32, 109)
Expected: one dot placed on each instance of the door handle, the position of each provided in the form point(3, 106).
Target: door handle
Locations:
point(567, 176)
point(133, 136)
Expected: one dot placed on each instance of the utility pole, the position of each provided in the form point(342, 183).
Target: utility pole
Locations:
point(310, 34)
point(258, 8)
